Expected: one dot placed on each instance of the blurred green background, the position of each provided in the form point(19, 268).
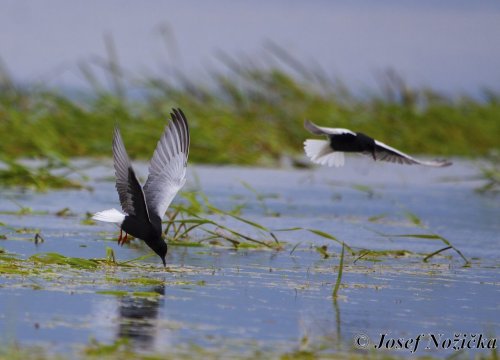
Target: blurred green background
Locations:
point(248, 115)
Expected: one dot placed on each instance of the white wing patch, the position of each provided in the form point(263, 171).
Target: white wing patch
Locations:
point(319, 130)
point(336, 131)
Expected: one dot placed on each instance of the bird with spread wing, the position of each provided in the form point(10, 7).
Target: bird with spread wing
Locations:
point(144, 207)
point(331, 152)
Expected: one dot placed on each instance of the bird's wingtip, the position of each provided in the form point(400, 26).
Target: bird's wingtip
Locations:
point(312, 128)
point(436, 163)
point(309, 125)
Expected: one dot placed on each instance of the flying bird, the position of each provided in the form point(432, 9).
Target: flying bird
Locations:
point(331, 152)
point(144, 207)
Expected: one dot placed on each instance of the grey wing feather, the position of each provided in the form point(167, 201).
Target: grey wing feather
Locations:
point(122, 166)
point(384, 152)
point(167, 169)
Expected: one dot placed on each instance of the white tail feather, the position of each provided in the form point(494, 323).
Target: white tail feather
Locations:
point(111, 215)
point(320, 152)
point(316, 148)
point(334, 159)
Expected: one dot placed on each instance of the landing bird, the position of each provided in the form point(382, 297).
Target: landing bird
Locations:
point(331, 152)
point(144, 207)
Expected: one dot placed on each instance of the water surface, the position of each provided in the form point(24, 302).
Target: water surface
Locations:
point(241, 301)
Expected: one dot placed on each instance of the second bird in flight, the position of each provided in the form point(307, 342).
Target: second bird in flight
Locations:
point(331, 152)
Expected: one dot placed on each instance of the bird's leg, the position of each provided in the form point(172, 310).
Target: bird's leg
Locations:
point(120, 237)
point(374, 156)
point(125, 240)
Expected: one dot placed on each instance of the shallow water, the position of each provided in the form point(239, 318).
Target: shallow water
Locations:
point(250, 299)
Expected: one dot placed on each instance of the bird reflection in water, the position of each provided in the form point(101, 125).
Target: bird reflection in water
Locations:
point(138, 318)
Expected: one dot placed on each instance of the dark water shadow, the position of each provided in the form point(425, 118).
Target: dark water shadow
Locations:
point(138, 318)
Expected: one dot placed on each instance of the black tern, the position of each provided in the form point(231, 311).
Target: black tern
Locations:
point(331, 152)
point(144, 207)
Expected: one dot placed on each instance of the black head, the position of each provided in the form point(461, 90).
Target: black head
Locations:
point(159, 246)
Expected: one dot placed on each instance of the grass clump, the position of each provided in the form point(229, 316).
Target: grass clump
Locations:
point(58, 259)
point(198, 222)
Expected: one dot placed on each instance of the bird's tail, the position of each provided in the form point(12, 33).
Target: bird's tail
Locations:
point(320, 152)
point(111, 215)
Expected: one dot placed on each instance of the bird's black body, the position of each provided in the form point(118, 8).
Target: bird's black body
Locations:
point(150, 233)
point(352, 143)
point(143, 223)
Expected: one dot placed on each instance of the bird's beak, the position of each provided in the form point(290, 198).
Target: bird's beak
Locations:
point(164, 262)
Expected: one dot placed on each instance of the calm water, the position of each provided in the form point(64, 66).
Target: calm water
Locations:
point(245, 300)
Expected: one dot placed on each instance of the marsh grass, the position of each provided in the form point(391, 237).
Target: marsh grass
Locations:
point(250, 111)
point(183, 223)
point(199, 222)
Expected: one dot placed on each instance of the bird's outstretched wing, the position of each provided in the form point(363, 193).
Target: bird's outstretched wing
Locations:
point(318, 130)
point(167, 169)
point(129, 189)
point(384, 152)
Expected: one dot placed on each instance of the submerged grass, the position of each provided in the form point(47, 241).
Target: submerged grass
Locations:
point(339, 275)
point(415, 220)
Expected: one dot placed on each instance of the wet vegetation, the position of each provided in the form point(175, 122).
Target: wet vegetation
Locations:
point(122, 350)
point(249, 114)
point(195, 222)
